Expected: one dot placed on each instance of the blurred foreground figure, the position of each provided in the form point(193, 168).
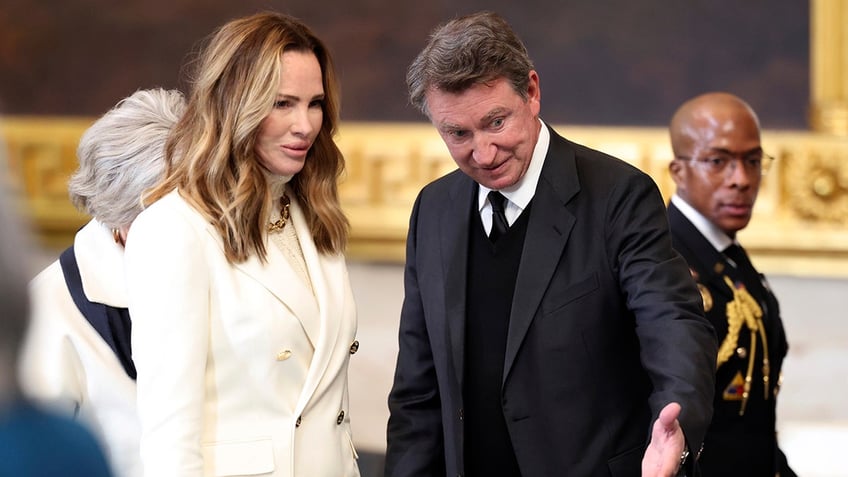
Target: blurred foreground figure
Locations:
point(33, 442)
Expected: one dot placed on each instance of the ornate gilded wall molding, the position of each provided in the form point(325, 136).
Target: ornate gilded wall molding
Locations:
point(41, 156)
point(816, 184)
point(800, 224)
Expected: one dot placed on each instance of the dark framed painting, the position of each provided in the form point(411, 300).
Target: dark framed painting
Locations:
point(604, 62)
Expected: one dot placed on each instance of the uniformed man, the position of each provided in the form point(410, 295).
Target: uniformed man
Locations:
point(718, 165)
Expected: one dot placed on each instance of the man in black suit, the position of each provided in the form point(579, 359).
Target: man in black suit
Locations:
point(718, 166)
point(548, 327)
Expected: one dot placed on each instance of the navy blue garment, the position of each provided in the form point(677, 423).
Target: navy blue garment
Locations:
point(111, 323)
point(36, 443)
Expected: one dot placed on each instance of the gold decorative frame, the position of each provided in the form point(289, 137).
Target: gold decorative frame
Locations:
point(829, 66)
point(800, 224)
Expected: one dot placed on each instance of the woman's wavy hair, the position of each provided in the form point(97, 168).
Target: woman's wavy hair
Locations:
point(211, 155)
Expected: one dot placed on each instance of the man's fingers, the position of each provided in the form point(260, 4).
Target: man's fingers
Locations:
point(669, 414)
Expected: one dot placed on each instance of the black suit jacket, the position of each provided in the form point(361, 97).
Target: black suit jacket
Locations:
point(605, 329)
point(736, 444)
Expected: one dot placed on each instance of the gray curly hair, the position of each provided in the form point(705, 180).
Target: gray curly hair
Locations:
point(123, 154)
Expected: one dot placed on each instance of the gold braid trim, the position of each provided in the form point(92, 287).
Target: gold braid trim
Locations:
point(743, 309)
point(766, 363)
point(746, 391)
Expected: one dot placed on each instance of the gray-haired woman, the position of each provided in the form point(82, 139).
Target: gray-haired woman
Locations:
point(77, 354)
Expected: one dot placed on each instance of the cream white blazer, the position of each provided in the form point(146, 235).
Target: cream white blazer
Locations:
point(67, 364)
point(241, 370)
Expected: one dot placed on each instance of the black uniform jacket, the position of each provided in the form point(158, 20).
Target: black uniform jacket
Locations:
point(741, 439)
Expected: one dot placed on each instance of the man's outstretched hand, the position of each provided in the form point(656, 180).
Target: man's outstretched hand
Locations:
point(662, 458)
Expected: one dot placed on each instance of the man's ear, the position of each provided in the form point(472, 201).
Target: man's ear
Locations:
point(677, 170)
point(534, 92)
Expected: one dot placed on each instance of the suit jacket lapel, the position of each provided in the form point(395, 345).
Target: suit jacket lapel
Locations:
point(454, 228)
point(548, 228)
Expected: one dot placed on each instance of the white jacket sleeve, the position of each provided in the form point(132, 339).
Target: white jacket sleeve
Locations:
point(169, 289)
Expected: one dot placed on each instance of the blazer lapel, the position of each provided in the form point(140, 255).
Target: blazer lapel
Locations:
point(549, 226)
point(280, 279)
point(329, 281)
point(453, 234)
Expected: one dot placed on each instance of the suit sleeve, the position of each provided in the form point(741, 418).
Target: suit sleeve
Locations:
point(415, 439)
point(169, 289)
point(678, 345)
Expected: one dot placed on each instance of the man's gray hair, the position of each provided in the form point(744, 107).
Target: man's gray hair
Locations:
point(465, 52)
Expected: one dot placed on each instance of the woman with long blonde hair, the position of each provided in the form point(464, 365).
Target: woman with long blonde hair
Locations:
point(243, 317)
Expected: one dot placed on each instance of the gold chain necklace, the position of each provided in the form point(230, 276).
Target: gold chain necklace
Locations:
point(284, 215)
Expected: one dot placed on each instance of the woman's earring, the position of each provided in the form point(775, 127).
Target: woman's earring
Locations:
point(116, 234)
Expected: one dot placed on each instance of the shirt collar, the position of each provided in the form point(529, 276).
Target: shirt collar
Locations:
point(713, 234)
point(101, 265)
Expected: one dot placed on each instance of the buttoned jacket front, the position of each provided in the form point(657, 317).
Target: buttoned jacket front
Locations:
point(241, 369)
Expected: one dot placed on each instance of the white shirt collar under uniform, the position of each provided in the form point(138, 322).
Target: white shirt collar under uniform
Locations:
point(713, 234)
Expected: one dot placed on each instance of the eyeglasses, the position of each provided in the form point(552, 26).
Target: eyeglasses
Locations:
point(717, 163)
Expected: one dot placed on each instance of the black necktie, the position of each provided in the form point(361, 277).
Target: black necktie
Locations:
point(499, 223)
point(750, 276)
